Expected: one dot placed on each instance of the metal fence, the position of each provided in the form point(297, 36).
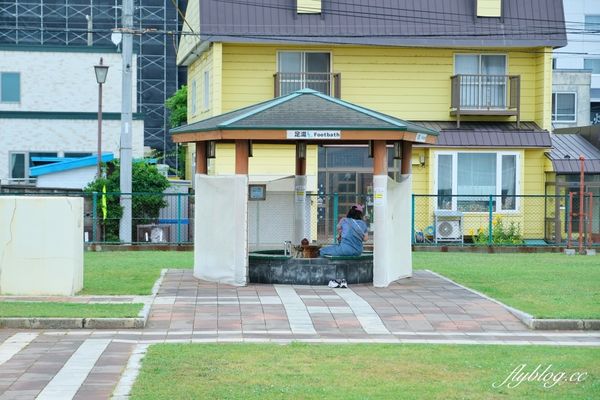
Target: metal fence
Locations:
point(498, 220)
point(504, 220)
point(157, 218)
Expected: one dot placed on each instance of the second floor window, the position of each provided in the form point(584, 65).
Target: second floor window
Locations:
point(299, 70)
point(193, 97)
point(483, 80)
point(564, 107)
point(10, 87)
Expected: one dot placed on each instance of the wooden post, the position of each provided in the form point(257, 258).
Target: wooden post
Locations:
point(241, 157)
point(300, 161)
point(406, 158)
point(380, 158)
point(201, 158)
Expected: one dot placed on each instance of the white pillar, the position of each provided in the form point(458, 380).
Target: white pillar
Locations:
point(221, 229)
point(392, 256)
point(299, 209)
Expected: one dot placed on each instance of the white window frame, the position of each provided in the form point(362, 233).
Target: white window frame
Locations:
point(193, 95)
point(479, 55)
point(20, 87)
point(554, 113)
point(498, 194)
point(206, 90)
point(480, 84)
point(303, 66)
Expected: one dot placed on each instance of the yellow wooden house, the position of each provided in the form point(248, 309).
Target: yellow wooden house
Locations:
point(477, 71)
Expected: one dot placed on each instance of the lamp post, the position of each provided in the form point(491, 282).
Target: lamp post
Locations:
point(101, 72)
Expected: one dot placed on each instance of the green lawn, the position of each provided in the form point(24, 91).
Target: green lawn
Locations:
point(68, 310)
point(362, 371)
point(128, 272)
point(545, 285)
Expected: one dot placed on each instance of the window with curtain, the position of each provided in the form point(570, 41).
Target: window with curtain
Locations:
point(472, 177)
point(206, 89)
point(444, 190)
point(193, 97)
point(476, 175)
point(300, 70)
point(484, 81)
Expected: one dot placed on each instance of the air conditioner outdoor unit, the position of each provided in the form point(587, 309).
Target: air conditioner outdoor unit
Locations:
point(447, 230)
point(448, 226)
point(153, 233)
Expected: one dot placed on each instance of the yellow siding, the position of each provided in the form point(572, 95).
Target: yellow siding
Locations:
point(308, 6)
point(489, 8)
point(543, 89)
point(409, 83)
point(269, 159)
point(188, 42)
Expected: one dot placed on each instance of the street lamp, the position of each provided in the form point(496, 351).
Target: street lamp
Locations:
point(101, 71)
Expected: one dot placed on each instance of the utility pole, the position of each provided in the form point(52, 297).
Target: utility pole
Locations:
point(126, 123)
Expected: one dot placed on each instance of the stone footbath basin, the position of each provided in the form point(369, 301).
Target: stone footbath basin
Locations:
point(276, 267)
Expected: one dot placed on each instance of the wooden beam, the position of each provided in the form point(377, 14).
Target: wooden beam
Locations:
point(241, 157)
point(201, 158)
point(405, 167)
point(276, 135)
point(380, 158)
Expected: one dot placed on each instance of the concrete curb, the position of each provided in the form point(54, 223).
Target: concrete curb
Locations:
point(88, 323)
point(529, 320)
point(72, 323)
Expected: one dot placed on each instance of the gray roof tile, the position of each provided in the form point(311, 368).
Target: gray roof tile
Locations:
point(431, 23)
point(566, 149)
point(304, 109)
point(489, 134)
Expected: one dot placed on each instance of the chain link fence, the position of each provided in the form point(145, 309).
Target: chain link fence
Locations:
point(496, 220)
point(502, 220)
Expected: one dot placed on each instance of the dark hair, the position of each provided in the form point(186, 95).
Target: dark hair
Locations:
point(354, 213)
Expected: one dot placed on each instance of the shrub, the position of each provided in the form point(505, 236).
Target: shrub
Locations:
point(146, 206)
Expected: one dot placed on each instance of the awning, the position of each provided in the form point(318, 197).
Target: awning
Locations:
point(489, 134)
point(566, 149)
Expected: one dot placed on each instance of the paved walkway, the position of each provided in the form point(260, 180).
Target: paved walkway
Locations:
point(88, 364)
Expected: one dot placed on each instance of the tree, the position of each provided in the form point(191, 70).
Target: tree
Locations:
point(146, 180)
point(177, 105)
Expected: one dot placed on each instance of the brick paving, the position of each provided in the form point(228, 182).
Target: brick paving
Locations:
point(424, 309)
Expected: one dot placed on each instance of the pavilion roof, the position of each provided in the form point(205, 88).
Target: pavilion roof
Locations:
point(305, 109)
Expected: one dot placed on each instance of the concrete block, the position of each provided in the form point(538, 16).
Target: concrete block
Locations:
point(590, 252)
point(570, 252)
point(113, 323)
point(591, 324)
point(41, 245)
point(558, 324)
point(41, 323)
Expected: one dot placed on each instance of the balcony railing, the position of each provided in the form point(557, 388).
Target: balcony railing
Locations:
point(288, 82)
point(486, 95)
